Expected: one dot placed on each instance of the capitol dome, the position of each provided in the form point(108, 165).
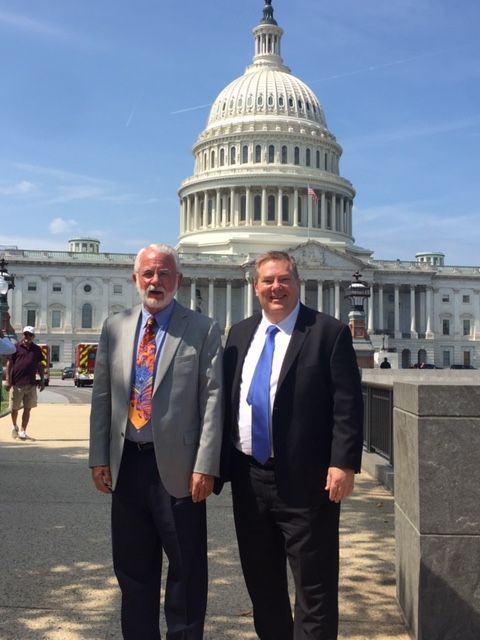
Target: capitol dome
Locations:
point(266, 171)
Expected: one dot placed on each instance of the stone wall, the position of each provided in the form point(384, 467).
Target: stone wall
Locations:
point(437, 505)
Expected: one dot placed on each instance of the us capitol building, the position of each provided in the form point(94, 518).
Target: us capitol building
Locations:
point(266, 176)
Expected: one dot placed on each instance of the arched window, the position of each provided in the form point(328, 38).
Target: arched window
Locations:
point(222, 157)
point(258, 153)
point(326, 162)
point(308, 157)
point(318, 159)
point(245, 154)
point(257, 208)
point(87, 315)
point(271, 209)
point(284, 154)
point(296, 155)
point(212, 159)
point(233, 155)
point(271, 153)
point(285, 215)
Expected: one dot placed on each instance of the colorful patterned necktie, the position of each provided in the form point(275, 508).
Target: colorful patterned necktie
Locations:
point(140, 410)
point(259, 398)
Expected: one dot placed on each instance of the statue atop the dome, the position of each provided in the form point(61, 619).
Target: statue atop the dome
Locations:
point(268, 13)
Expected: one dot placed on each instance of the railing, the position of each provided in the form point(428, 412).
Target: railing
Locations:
point(378, 420)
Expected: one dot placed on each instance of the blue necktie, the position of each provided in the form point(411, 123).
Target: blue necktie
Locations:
point(259, 399)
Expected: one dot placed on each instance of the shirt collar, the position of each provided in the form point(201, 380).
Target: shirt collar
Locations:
point(161, 318)
point(286, 325)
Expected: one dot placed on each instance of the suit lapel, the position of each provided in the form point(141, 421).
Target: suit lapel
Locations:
point(176, 329)
point(300, 332)
point(128, 337)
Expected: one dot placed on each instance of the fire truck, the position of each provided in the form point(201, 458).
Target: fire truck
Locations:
point(45, 362)
point(85, 354)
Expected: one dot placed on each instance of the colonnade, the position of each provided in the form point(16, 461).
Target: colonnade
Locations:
point(250, 206)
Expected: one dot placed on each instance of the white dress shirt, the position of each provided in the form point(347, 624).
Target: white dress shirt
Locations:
point(282, 340)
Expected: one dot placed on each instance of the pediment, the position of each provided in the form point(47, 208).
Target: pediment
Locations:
point(314, 255)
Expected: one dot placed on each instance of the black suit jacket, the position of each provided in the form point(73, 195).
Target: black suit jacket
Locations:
point(317, 416)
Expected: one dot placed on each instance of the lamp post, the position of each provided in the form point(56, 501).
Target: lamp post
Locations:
point(357, 292)
point(7, 282)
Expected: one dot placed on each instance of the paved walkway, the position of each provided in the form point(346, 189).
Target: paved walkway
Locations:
point(56, 576)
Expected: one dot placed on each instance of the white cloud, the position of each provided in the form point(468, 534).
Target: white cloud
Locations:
point(46, 29)
point(20, 188)
point(60, 226)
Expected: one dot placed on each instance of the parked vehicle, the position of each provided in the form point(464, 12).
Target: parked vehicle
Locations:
point(85, 354)
point(68, 372)
point(461, 366)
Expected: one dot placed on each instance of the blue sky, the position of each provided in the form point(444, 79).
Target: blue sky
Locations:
point(102, 100)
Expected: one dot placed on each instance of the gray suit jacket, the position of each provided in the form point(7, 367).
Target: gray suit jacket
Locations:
point(186, 401)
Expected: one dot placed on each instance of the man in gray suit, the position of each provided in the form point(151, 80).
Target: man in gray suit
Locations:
point(156, 448)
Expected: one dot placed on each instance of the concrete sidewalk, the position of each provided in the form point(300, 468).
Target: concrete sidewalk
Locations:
point(56, 575)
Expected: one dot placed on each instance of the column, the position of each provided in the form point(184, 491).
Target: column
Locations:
point(397, 311)
point(195, 212)
point(331, 300)
point(413, 321)
point(205, 210)
point(67, 321)
point(320, 296)
point(337, 300)
point(476, 312)
point(323, 210)
point(334, 212)
point(189, 214)
point(429, 333)
point(249, 295)
point(380, 307)
point(15, 304)
point(105, 304)
point(193, 288)
point(302, 291)
point(211, 292)
point(233, 212)
point(371, 321)
point(228, 314)
point(295, 207)
point(248, 206)
point(456, 313)
point(42, 324)
point(218, 209)
point(264, 207)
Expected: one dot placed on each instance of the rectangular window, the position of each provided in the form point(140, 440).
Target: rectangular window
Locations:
point(32, 286)
point(446, 359)
point(445, 297)
point(55, 353)
point(446, 327)
point(466, 299)
point(56, 319)
point(466, 327)
point(56, 287)
point(31, 316)
point(117, 289)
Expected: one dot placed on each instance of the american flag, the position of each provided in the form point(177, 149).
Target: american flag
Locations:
point(312, 194)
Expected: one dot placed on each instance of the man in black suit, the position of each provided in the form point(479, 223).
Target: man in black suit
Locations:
point(286, 501)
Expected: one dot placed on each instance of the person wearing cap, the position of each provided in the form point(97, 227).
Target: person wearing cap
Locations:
point(22, 367)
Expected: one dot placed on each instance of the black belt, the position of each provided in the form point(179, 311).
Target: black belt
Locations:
point(138, 446)
point(269, 464)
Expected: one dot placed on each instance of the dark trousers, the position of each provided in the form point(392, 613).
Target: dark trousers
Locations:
point(269, 532)
point(145, 519)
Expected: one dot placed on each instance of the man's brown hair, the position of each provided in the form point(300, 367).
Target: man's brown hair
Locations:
point(277, 255)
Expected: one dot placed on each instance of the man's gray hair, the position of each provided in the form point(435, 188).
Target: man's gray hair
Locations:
point(159, 248)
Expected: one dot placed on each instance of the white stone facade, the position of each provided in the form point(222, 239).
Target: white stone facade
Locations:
point(266, 176)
